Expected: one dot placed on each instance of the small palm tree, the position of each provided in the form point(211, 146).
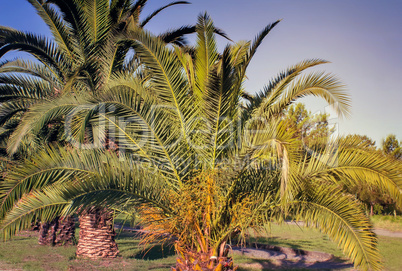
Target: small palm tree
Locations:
point(200, 165)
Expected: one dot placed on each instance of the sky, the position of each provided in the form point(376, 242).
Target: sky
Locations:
point(361, 38)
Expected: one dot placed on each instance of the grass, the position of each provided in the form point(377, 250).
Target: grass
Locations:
point(23, 252)
point(285, 235)
point(296, 237)
point(387, 222)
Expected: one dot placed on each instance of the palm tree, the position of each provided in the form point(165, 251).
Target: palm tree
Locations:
point(200, 165)
point(83, 54)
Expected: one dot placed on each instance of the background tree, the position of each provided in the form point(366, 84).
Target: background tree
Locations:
point(371, 195)
point(363, 140)
point(391, 146)
point(311, 130)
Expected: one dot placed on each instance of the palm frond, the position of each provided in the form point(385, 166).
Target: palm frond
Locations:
point(61, 30)
point(277, 87)
point(41, 114)
point(218, 107)
point(23, 87)
point(206, 52)
point(318, 84)
point(76, 179)
point(31, 68)
point(96, 20)
point(343, 163)
point(167, 78)
point(153, 14)
point(335, 214)
point(41, 48)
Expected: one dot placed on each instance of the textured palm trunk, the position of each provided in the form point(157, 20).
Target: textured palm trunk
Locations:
point(65, 233)
point(35, 225)
point(60, 231)
point(203, 261)
point(96, 235)
point(47, 233)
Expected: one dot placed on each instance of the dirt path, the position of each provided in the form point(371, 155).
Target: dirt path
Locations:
point(388, 233)
point(381, 232)
point(271, 257)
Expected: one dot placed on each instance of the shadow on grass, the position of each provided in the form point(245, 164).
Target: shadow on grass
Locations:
point(277, 241)
point(265, 264)
point(154, 253)
point(129, 247)
point(263, 259)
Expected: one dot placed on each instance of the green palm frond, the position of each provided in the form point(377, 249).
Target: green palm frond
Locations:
point(40, 114)
point(270, 143)
point(167, 78)
point(347, 164)
point(11, 109)
point(118, 8)
point(61, 31)
point(42, 49)
point(258, 40)
point(8, 127)
point(218, 108)
point(31, 68)
point(176, 35)
point(71, 11)
point(276, 87)
point(153, 14)
point(31, 208)
point(62, 181)
point(135, 11)
point(55, 165)
point(318, 84)
point(23, 87)
point(206, 53)
point(143, 131)
point(337, 215)
point(96, 20)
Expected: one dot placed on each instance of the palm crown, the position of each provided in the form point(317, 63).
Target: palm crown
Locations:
point(197, 161)
point(84, 53)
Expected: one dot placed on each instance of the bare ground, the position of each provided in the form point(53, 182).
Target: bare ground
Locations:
point(273, 257)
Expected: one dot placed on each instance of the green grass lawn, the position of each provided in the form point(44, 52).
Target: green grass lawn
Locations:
point(23, 252)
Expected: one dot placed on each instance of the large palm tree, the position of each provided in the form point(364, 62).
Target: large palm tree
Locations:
point(200, 165)
point(82, 56)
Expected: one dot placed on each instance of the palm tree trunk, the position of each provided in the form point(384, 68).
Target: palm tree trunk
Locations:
point(47, 232)
point(59, 231)
point(65, 233)
point(203, 261)
point(96, 235)
point(35, 225)
point(189, 259)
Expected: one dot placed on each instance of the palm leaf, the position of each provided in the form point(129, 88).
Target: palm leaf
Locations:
point(336, 215)
point(153, 14)
point(60, 29)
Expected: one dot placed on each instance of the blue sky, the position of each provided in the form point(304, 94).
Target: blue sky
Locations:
point(362, 39)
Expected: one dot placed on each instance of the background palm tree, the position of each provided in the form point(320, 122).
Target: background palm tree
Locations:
point(197, 162)
point(82, 56)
